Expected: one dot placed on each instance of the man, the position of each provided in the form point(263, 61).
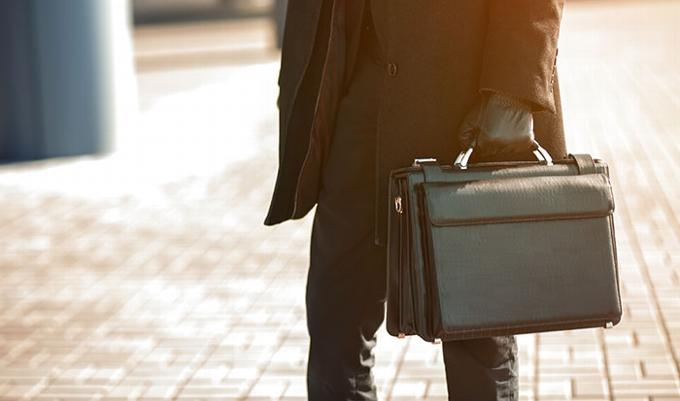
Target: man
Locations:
point(366, 87)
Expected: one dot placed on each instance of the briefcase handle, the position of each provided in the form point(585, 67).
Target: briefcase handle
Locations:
point(541, 154)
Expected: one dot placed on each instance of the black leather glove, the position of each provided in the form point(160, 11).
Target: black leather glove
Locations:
point(498, 127)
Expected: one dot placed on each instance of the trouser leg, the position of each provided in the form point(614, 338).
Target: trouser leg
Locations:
point(484, 369)
point(345, 308)
point(346, 281)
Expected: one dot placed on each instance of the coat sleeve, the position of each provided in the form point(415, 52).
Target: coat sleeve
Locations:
point(520, 49)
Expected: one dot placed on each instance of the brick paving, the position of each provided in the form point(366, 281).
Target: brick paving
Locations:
point(147, 275)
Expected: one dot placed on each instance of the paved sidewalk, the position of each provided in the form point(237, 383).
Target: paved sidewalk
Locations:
point(147, 275)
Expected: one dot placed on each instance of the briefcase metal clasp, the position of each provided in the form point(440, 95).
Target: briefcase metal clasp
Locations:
point(397, 205)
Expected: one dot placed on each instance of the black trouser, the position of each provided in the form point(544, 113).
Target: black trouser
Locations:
point(346, 282)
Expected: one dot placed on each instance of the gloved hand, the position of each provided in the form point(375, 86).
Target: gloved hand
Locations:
point(498, 127)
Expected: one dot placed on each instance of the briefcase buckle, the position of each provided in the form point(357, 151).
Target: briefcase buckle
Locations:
point(397, 205)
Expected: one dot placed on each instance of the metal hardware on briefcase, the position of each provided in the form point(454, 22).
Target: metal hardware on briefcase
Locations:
point(501, 248)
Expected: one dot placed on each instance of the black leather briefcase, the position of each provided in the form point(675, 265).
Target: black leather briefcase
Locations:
point(501, 248)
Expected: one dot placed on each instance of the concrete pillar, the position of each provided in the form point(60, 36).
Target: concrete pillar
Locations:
point(66, 76)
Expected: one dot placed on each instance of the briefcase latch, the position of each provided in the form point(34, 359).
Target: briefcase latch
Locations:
point(397, 205)
point(608, 325)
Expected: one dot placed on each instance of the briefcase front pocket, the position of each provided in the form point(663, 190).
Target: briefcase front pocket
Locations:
point(519, 255)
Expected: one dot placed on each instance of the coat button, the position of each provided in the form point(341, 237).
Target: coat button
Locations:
point(392, 69)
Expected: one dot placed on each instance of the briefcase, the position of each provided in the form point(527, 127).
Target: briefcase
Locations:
point(501, 248)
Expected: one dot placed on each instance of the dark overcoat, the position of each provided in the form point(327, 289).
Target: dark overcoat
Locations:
point(439, 55)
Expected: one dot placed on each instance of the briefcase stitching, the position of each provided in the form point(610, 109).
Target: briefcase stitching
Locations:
point(520, 219)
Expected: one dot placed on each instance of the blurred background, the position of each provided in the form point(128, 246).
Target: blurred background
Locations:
point(138, 151)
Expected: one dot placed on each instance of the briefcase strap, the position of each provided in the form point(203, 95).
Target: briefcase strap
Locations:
point(431, 170)
point(585, 163)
